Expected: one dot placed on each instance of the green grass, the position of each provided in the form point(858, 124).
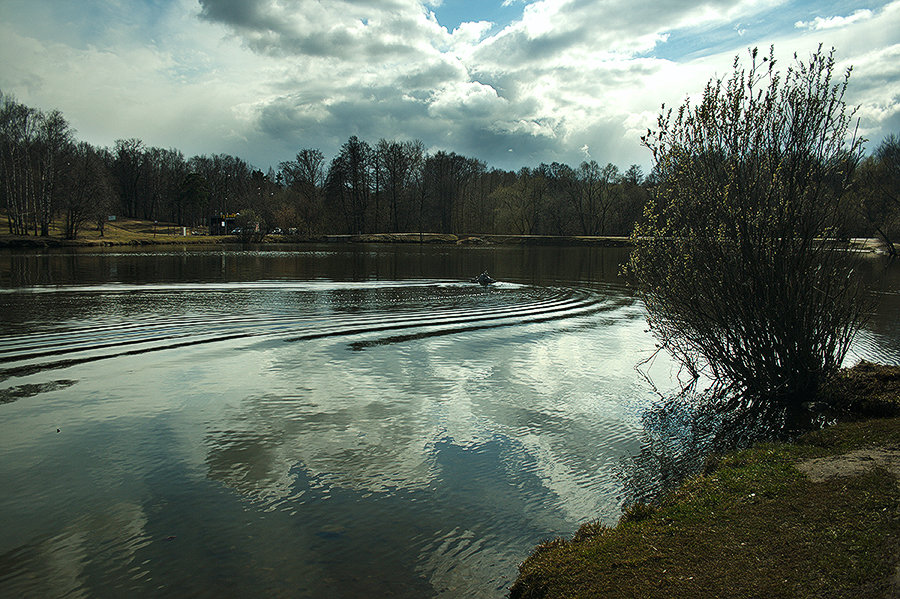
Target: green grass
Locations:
point(754, 525)
point(123, 231)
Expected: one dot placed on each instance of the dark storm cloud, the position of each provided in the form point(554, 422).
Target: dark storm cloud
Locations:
point(520, 90)
point(344, 29)
point(429, 76)
point(262, 15)
point(517, 49)
point(246, 14)
point(468, 128)
point(505, 150)
point(371, 114)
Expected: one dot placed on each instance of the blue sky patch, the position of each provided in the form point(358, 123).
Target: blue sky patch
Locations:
point(453, 12)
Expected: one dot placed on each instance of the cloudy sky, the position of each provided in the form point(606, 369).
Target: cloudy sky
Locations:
point(512, 82)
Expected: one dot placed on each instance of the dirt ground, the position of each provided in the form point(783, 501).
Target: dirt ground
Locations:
point(852, 463)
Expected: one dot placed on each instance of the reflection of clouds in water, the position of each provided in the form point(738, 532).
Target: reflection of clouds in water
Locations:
point(462, 563)
point(581, 413)
point(62, 563)
point(551, 364)
point(497, 429)
point(362, 447)
point(372, 421)
point(345, 424)
point(413, 466)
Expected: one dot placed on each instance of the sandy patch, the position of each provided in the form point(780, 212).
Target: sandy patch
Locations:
point(851, 464)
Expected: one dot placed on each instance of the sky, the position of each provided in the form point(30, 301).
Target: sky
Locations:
point(511, 82)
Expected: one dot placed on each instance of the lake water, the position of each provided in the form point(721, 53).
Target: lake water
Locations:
point(328, 421)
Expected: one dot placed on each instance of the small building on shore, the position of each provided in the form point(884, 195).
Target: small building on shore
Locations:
point(222, 224)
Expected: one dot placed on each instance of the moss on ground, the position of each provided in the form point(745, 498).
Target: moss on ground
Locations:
point(755, 525)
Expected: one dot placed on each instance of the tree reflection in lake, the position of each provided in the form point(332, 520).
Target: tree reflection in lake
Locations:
point(686, 428)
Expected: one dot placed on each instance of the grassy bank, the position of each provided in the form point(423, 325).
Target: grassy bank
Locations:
point(123, 231)
point(130, 231)
point(818, 517)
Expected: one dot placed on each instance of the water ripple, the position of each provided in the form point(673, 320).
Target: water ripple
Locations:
point(365, 313)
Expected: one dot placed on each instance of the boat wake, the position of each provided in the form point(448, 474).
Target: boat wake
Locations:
point(137, 319)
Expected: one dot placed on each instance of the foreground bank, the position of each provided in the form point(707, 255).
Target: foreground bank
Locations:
point(816, 517)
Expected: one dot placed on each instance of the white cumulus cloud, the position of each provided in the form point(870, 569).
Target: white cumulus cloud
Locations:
point(820, 23)
point(260, 79)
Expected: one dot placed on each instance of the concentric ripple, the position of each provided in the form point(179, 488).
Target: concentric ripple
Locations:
point(161, 317)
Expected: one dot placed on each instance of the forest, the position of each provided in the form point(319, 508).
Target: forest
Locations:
point(389, 186)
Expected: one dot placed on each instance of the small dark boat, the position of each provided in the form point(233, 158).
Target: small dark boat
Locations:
point(484, 279)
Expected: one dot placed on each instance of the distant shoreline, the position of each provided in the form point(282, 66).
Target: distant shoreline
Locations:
point(38, 242)
point(139, 232)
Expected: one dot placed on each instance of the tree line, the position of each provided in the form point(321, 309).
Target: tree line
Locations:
point(391, 186)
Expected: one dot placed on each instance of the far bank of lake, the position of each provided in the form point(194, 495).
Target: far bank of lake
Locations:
point(165, 238)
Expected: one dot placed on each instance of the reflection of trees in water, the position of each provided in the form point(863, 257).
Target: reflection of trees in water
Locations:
point(336, 261)
point(685, 429)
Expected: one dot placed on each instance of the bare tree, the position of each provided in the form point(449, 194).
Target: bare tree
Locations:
point(396, 163)
point(304, 180)
point(593, 195)
point(521, 205)
point(89, 194)
point(127, 168)
point(18, 133)
point(878, 192)
point(55, 140)
point(349, 183)
point(731, 263)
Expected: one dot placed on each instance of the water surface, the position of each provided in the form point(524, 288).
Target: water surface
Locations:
point(336, 421)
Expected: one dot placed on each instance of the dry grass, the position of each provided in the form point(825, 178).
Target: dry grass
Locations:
point(130, 231)
point(123, 231)
point(867, 390)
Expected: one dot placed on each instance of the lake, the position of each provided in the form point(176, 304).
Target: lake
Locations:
point(319, 420)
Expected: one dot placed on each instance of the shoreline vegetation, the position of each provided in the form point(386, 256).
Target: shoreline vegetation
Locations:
point(137, 232)
point(814, 517)
point(129, 231)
